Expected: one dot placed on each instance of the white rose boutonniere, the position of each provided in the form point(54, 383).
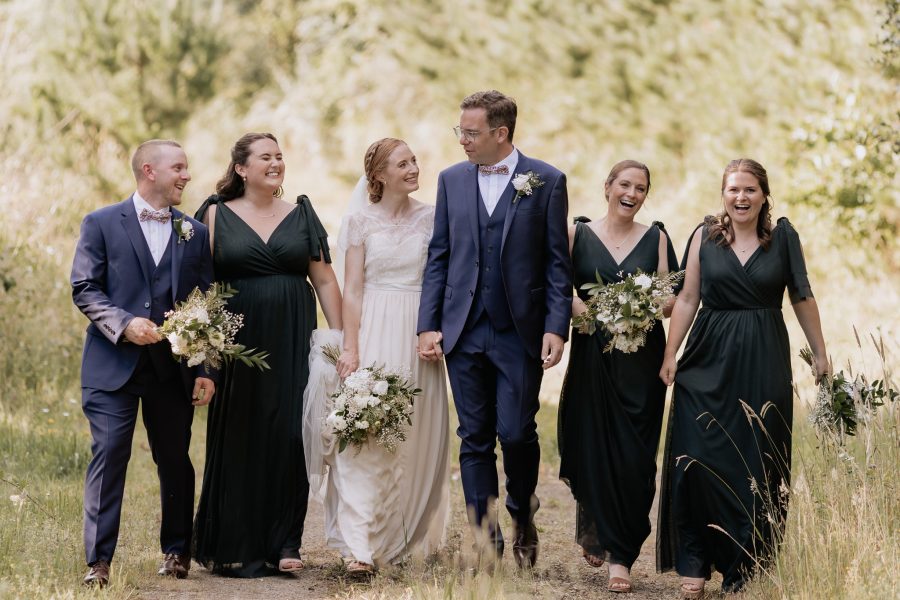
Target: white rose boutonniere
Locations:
point(525, 184)
point(183, 229)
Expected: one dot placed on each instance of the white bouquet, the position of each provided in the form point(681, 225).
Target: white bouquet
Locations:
point(202, 330)
point(627, 310)
point(372, 403)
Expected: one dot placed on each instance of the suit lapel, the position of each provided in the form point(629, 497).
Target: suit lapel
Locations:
point(521, 167)
point(136, 237)
point(177, 253)
point(470, 198)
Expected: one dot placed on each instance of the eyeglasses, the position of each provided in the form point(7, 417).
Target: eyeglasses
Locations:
point(469, 135)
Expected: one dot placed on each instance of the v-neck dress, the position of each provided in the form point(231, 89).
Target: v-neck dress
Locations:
point(255, 488)
point(728, 449)
point(610, 412)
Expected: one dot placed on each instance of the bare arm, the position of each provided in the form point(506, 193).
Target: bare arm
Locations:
point(578, 305)
point(209, 219)
point(662, 268)
point(325, 283)
point(807, 312)
point(684, 311)
point(354, 279)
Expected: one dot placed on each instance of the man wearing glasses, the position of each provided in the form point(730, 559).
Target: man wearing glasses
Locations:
point(496, 301)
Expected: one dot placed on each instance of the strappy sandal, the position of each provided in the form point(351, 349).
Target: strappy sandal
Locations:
point(691, 590)
point(619, 585)
point(358, 568)
point(290, 565)
point(592, 559)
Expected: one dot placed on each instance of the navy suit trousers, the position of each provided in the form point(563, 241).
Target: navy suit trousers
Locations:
point(495, 385)
point(167, 413)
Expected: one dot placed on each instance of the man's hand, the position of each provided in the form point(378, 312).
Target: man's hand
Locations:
point(142, 332)
point(429, 347)
point(204, 390)
point(551, 350)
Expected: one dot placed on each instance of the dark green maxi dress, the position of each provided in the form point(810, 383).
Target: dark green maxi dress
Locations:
point(255, 488)
point(728, 449)
point(610, 413)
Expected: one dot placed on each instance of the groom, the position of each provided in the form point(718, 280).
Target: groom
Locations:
point(497, 295)
point(133, 261)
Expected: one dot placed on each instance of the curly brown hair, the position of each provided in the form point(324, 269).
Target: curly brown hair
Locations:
point(720, 227)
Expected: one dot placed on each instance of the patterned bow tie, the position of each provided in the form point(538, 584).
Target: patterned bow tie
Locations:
point(162, 216)
point(493, 170)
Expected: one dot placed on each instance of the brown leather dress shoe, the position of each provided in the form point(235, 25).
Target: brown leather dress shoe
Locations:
point(175, 565)
point(525, 548)
point(98, 574)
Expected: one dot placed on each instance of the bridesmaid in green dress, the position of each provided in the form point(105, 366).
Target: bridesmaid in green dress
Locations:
point(253, 503)
point(611, 408)
point(726, 468)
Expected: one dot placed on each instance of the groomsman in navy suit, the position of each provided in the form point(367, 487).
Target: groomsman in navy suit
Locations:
point(496, 301)
point(134, 260)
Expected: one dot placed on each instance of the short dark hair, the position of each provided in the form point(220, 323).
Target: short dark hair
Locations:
point(500, 108)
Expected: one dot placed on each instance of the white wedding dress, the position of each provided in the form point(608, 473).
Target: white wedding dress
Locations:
point(382, 506)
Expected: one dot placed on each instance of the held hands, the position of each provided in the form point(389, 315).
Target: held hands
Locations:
point(669, 367)
point(347, 362)
point(551, 350)
point(204, 390)
point(142, 332)
point(429, 346)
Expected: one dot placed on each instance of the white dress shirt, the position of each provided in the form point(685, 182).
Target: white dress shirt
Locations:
point(157, 234)
point(492, 186)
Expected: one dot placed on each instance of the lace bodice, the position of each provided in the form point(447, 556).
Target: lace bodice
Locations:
point(395, 252)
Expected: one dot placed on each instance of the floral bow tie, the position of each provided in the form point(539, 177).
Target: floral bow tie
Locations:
point(162, 216)
point(493, 170)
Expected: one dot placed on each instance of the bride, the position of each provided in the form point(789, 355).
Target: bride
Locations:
point(382, 506)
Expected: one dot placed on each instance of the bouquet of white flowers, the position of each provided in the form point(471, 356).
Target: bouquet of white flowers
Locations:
point(374, 402)
point(627, 310)
point(201, 330)
point(842, 403)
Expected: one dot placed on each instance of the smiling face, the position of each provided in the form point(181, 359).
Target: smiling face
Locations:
point(401, 174)
point(627, 192)
point(743, 197)
point(167, 173)
point(264, 167)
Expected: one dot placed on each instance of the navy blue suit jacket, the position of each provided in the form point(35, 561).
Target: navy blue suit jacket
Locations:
point(535, 262)
point(111, 286)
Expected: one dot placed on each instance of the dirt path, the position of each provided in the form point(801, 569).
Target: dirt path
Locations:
point(560, 573)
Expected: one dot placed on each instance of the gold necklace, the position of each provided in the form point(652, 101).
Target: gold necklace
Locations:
point(624, 239)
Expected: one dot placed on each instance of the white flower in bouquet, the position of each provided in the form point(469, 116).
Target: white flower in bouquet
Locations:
point(203, 330)
point(374, 403)
point(196, 359)
point(644, 281)
point(217, 340)
point(626, 310)
point(179, 344)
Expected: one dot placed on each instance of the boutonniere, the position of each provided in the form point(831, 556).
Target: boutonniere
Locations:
point(183, 229)
point(525, 184)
